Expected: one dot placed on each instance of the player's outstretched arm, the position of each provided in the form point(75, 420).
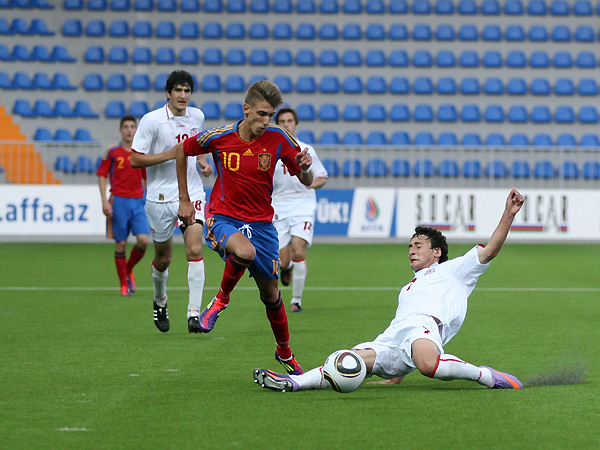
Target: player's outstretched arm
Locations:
point(139, 160)
point(304, 160)
point(186, 210)
point(513, 205)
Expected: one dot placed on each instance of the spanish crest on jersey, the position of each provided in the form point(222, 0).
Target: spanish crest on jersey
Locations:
point(264, 161)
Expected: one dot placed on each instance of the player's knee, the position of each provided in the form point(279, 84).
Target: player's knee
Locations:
point(426, 366)
point(162, 262)
point(194, 250)
point(142, 241)
point(247, 252)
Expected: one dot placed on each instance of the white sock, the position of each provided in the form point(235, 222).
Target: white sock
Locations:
point(195, 277)
point(298, 280)
point(159, 281)
point(313, 379)
point(452, 368)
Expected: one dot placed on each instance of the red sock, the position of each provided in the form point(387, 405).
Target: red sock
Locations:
point(279, 324)
point(121, 263)
point(134, 258)
point(234, 270)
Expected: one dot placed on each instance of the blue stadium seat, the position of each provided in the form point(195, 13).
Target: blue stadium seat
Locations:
point(235, 57)
point(259, 57)
point(160, 82)
point(559, 8)
point(6, 82)
point(141, 55)
point(97, 5)
point(21, 80)
point(422, 58)
point(42, 108)
point(542, 140)
point(588, 114)
point(544, 169)
point(421, 32)
point(120, 5)
point(495, 140)
point(375, 32)
point(421, 7)
point(83, 109)
point(423, 113)
point(352, 113)
point(329, 58)
point(470, 86)
point(516, 86)
point(423, 86)
point(165, 30)
point(564, 114)
point(282, 57)
point(306, 7)
point(143, 5)
point(72, 28)
point(42, 134)
point(233, 111)
point(399, 85)
point(353, 138)
point(399, 113)
point(332, 167)
point(39, 27)
point(166, 6)
point(189, 30)
point(306, 112)
point(377, 138)
point(282, 30)
point(471, 140)
point(376, 85)
point(496, 169)
point(142, 29)
point(539, 60)
point(494, 114)
point(566, 140)
point(95, 28)
point(583, 8)
point(423, 138)
point(563, 60)
point(20, 53)
point(561, 33)
point(467, 7)
point(538, 33)
point(520, 169)
point(259, 6)
point(445, 58)
point(470, 113)
point(400, 138)
point(400, 168)
point(73, 5)
point(516, 58)
point(469, 58)
point(211, 110)
point(60, 53)
point(514, 33)
point(398, 7)
point(212, 30)
point(352, 168)
point(513, 8)
point(63, 109)
point(236, 6)
point(284, 83)
point(61, 81)
point(351, 58)
point(213, 7)
point(376, 58)
point(591, 170)
point(493, 86)
point(564, 86)
point(490, 8)
point(306, 84)
point(517, 114)
point(329, 138)
point(447, 139)
point(398, 58)
point(307, 137)
point(587, 86)
point(424, 168)
point(472, 169)
point(541, 114)
point(375, 7)
point(119, 28)
point(212, 57)
point(328, 32)
point(586, 60)
point(376, 168)
point(468, 32)
point(84, 163)
point(117, 82)
point(540, 86)
point(491, 32)
point(258, 30)
point(448, 168)
point(376, 113)
point(305, 57)
point(63, 163)
point(282, 7)
point(537, 8)
point(42, 81)
point(115, 109)
point(140, 82)
point(492, 58)
point(398, 32)
point(568, 170)
point(446, 86)
point(447, 113)
point(118, 55)
point(352, 7)
point(306, 32)
point(589, 140)
point(330, 84)
point(519, 140)
point(444, 7)
point(41, 53)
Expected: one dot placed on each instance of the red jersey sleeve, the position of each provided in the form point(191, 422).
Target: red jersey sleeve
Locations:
point(104, 168)
point(289, 159)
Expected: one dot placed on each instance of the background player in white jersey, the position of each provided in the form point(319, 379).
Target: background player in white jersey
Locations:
point(295, 206)
point(431, 310)
point(157, 134)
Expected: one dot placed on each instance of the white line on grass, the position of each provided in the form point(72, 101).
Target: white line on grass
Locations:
point(311, 288)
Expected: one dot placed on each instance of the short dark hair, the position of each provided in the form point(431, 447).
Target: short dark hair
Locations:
point(179, 78)
point(264, 90)
point(127, 118)
point(286, 111)
point(436, 238)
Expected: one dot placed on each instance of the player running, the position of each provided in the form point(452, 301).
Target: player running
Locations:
point(431, 310)
point(239, 219)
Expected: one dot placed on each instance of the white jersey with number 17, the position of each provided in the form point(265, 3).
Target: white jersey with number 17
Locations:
point(158, 132)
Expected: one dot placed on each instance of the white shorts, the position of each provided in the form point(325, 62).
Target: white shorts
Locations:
point(300, 226)
point(163, 218)
point(394, 346)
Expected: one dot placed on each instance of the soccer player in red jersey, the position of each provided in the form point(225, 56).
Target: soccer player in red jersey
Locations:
point(125, 208)
point(239, 218)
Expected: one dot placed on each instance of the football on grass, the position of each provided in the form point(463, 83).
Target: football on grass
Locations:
point(344, 370)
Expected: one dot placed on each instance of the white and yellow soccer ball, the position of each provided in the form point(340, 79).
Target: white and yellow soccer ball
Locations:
point(344, 370)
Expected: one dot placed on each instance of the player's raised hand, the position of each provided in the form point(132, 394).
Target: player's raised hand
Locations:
point(514, 202)
point(304, 159)
point(205, 167)
point(186, 212)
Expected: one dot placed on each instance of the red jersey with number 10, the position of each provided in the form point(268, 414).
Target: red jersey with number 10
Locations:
point(244, 169)
point(125, 181)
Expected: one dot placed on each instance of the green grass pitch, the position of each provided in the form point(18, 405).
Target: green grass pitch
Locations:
point(84, 368)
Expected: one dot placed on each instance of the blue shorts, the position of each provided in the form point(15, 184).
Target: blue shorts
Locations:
point(262, 235)
point(129, 216)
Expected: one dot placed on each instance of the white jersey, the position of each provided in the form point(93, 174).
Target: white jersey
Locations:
point(158, 132)
point(290, 196)
point(441, 291)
